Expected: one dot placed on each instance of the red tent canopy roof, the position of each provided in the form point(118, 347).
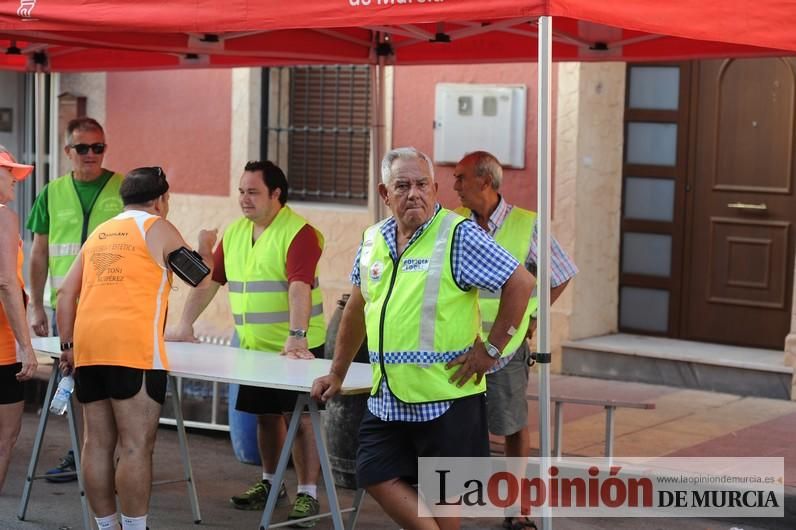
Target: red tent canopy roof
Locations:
point(118, 34)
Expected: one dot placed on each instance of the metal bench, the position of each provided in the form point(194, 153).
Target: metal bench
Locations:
point(610, 406)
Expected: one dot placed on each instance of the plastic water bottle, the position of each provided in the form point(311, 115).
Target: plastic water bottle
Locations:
point(62, 395)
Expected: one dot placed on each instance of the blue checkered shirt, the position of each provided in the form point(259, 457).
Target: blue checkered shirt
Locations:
point(477, 262)
point(561, 267)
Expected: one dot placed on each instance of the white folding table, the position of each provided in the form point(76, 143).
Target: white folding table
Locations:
point(227, 364)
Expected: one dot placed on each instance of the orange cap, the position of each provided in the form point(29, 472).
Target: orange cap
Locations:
point(19, 171)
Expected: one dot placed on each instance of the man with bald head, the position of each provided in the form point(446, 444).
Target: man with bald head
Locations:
point(65, 212)
point(478, 177)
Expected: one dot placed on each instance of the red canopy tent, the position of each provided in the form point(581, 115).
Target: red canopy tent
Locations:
point(60, 35)
point(70, 35)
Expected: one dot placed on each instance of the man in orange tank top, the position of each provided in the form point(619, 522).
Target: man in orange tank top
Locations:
point(121, 281)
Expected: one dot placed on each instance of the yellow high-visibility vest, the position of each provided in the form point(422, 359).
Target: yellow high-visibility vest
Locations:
point(417, 317)
point(258, 285)
point(70, 226)
point(514, 235)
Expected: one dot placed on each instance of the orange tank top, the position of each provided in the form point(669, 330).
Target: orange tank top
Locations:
point(8, 343)
point(121, 313)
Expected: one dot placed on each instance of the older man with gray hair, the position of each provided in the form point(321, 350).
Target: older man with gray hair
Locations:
point(478, 177)
point(416, 280)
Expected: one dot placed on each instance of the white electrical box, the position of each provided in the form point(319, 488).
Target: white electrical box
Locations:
point(470, 117)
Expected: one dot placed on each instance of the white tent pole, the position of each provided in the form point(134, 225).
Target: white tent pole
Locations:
point(376, 136)
point(41, 126)
point(545, 40)
point(55, 151)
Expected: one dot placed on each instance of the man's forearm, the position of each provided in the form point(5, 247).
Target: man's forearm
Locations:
point(197, 302)
point(350, 335)
point(556, 291)
point(300, 304)
point(38, 269)
point(513, 302)
point(65, 314)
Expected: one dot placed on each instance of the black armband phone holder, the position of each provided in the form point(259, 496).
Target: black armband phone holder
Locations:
point(188, 265)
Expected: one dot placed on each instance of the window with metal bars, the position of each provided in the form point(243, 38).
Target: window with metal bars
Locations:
point(318, 130)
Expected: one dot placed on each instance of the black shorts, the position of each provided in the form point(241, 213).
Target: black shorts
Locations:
point(258, 400)
point(11, 390)
point(95, 383)
point(390, 449)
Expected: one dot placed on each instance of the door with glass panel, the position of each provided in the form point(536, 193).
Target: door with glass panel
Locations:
point(738, 275)
point(654, 174)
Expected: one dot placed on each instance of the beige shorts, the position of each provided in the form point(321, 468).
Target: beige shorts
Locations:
point(506, 404)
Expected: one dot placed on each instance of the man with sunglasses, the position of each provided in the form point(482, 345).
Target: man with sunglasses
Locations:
point(64, 214)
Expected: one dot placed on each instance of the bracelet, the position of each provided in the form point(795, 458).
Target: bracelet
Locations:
point(67, 346)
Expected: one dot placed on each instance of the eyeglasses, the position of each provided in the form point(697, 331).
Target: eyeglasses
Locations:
point(82, 149)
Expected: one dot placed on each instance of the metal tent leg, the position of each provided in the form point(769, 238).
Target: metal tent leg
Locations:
point(544, 172)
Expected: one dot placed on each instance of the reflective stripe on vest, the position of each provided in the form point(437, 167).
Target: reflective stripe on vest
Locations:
point(69, 226)
point(258, 285)
point(272, 318)
point(514, 235)
point(64, 249)
point(417, 318)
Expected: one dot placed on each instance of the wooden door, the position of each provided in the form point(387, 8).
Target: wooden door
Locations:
point(739, 260)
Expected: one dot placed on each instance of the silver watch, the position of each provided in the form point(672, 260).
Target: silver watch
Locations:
point(300, 333)
point(492, 350)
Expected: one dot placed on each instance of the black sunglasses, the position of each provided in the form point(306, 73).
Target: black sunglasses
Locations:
point(82, 149)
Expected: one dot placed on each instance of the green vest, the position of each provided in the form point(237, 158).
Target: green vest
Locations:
point(417, 317)
point(70, 225)
point(514, 235)
point(258, 286)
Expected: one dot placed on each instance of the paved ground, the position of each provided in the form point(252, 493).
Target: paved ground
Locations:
point(685, 423)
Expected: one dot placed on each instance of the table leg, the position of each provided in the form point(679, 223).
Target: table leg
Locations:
point(186, 459)
point(326, 468)
point(352, 519)
point(34, 457)
point(70, 412)
point(281, 467)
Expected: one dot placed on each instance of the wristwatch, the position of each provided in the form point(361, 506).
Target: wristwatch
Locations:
point(492, 350)
point(67, 346)
point(300, 333)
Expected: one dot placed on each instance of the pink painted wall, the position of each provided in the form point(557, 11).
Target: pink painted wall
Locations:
point(179, 120)
point(413, 118)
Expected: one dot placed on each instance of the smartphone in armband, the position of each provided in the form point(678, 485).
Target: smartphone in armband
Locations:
point(188, 265)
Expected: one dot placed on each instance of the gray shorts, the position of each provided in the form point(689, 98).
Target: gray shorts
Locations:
point(506, 405)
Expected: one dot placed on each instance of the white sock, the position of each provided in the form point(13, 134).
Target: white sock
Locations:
point(309, 489)
point(133, 523)
point(109, 521)
point(268, 476)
